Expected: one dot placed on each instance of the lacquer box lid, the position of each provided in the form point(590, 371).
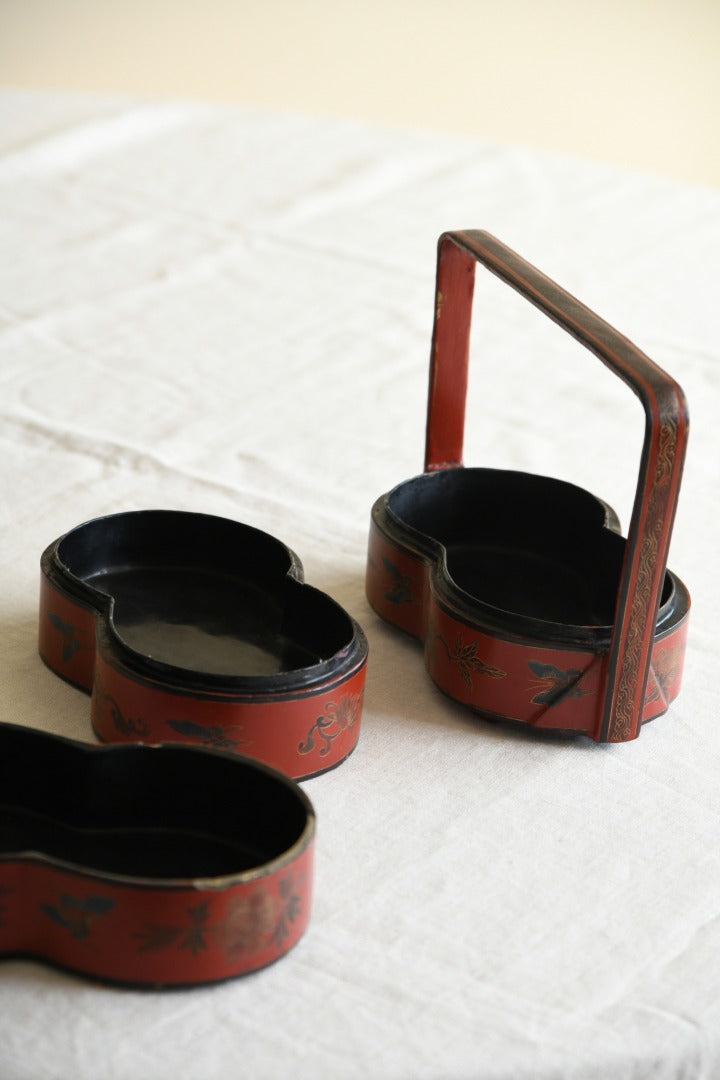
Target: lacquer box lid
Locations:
point(187, 627)
point(152, 866)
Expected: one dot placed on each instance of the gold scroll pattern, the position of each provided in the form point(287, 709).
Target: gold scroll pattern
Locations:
point(623, 719)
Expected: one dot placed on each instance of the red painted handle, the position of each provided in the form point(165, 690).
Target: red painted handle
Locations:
point(661, 464)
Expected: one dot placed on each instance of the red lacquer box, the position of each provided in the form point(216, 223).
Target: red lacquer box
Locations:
point(152, 866)
point(532, 607)
point(191, 628)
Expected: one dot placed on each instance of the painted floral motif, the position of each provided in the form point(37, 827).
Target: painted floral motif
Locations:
point(125, 725)
point(337, 718)
point(289, 911)
point(77, 914)
point(249, 923)
point(207, 734)
point(466, 659)
point(71, 641)
point(553, 685)
point(192, 935)
point(401, 588)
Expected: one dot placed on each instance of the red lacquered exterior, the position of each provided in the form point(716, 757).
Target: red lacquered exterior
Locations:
point(299, 734)
point(548, 686)
point(126, 931)
point(301, 731)
point(66, 634)
point(606, 691)
point(132, 927)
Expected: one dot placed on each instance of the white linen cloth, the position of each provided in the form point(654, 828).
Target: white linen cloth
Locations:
point(230, 312)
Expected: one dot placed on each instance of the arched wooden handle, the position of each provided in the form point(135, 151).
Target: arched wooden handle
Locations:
point(661, 463)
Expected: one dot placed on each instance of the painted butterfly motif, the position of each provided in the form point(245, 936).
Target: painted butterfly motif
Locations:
point(553, 684)
point(467, 660)
point(76, 914)
point(401, 591)
point(71, 642)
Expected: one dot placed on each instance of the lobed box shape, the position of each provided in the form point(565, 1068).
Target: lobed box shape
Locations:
point(531, 605)
point(153, 866)
point(193, 628)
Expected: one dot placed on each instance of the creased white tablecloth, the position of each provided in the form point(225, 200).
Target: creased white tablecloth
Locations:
point(230, 312)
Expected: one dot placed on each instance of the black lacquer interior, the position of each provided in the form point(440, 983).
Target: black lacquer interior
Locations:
point(205, 594)
point(528, 545)
point(143, 811)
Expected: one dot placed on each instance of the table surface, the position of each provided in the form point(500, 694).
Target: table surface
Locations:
point(230, 312)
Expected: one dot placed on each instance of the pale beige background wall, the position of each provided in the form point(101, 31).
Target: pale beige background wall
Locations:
point(635, 82)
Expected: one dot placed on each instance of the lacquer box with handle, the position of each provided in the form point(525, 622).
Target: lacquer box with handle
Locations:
point(532, 606)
